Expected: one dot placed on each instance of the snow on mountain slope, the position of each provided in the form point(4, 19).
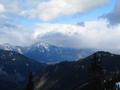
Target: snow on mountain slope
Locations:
point(44, 52)
point(9, 47)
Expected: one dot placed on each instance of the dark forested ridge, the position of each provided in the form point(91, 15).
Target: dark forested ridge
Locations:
point(15, 68)
point(98, 70)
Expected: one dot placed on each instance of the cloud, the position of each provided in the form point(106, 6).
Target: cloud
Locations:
point(2, 8)
point(114, 16)
point(13, 8)
point(48, 9)
point(51, 9)
point(94, 34)
point(14, 34)
point(87, 34)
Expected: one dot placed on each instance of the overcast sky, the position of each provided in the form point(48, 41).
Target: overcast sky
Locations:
point(67, 23)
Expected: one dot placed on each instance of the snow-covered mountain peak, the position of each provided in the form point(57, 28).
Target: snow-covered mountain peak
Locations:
point(41, 45)
point(8, 47)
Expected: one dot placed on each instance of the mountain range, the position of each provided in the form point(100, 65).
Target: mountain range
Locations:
point(46, 53)
point(66, 75)
point(69, 73)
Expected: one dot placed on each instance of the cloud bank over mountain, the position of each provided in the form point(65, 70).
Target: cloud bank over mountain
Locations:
point(96, 33)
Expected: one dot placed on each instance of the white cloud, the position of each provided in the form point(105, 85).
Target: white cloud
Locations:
point(15, 35)
point(2, 8)
point(95, 34)
point(51, 9)
point(48, 9)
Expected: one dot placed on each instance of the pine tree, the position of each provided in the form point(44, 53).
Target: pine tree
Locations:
point(30, 85)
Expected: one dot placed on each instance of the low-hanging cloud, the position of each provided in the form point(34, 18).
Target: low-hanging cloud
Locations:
point(94, 34)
